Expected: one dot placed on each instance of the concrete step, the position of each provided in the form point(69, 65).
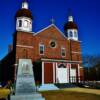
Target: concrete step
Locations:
point(32, 94)
point(36, 96)
point(48, 87)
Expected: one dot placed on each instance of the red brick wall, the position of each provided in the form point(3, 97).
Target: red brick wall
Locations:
point(51, 33)
point(45, 37)
point(75, 50)
point(24, 39)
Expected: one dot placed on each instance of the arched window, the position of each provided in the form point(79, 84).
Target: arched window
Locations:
point(20, 23)
point(75, 34)
point(71, 34)
point(63, 52)
point(41, 49)
point(26, 23)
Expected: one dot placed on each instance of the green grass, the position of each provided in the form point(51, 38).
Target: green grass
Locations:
point(68, 95)
point(59, 95)
point(4, 93)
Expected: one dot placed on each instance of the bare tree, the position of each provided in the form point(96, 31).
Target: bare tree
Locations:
point(91, 65)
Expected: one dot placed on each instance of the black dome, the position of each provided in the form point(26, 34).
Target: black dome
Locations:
point(70, 25)
point(24, 13)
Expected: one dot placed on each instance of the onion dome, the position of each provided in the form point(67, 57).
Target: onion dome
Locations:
point(70, 24)
point(24, 13)
point(24, 18)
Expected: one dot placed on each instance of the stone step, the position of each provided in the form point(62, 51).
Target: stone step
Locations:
point(27, 97)
point(47, 87)
point(31, 94)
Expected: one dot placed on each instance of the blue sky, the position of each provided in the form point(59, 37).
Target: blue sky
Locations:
point(86, 15)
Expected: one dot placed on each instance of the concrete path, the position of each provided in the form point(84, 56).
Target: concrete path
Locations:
point(84, 90)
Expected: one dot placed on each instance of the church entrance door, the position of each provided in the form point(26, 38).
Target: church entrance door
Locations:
point(48, 73)
point(62, 74)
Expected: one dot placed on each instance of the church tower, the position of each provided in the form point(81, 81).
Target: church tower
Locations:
point(22, 39)
point(24, 18)
point(71, 29)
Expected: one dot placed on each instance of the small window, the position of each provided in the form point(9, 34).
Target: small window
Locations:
point(75, 34)
point(63, 52)
point(25, 23)
point(41, 49)
point(71, 34)
point(20, 23)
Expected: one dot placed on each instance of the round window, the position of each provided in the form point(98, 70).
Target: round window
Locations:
point(53, 44)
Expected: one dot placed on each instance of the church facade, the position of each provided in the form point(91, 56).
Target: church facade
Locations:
point(56, 56)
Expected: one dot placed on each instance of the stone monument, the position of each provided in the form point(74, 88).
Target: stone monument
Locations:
point(25, 84)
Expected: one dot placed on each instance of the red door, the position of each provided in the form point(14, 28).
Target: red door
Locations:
point(48, 72)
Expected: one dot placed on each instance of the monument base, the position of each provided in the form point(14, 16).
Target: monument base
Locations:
point(35, 96)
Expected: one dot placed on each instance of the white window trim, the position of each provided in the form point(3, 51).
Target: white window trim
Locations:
point(18, 23)
point(25, 46)
point(43, 48)
point(26, 26)
point(77, 52)
point(64, 50)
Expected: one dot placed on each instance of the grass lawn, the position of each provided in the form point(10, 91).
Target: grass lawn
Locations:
point(69, 95)
point(60, 95)
point(4, 93)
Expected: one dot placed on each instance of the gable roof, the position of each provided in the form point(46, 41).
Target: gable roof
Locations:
point(49, 27)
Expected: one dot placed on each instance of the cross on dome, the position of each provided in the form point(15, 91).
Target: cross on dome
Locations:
point(70, 17)
point(52, 20)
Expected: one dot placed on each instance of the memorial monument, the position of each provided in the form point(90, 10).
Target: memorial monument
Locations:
point(25, 84)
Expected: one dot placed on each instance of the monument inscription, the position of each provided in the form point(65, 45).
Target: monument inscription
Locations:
point(25, 83)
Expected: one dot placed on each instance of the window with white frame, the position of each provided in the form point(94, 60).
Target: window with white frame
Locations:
point(75, 33)
point(26, 23)
point(41, 49)
point(20, 23)
point(71, 34)
point(63, 52)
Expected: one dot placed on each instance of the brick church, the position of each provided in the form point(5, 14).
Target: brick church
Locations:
point(56, 56)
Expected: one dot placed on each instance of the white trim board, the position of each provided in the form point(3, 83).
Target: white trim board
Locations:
point(57, 60)
point(24, 46)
